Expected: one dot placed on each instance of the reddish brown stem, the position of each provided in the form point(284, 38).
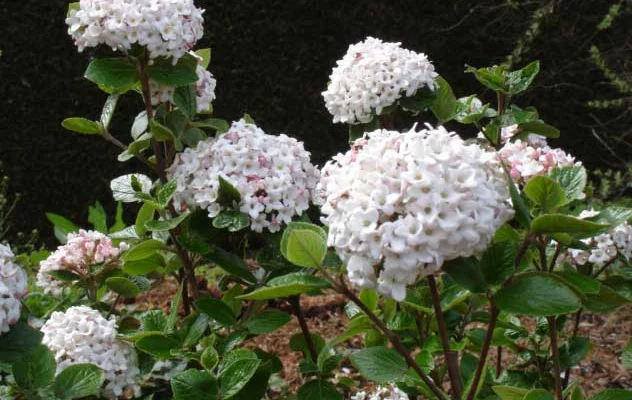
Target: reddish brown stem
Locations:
point(556, 357)
point(451, 356)
point(493, 318)
point(295, 302)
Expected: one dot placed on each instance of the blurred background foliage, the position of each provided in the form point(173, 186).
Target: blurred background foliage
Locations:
point(272, 59)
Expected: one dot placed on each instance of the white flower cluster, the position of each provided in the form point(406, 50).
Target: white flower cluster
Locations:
point(373, 75)
point(13, 286)
point(605, 247)
point(167, 28)
point(204, 87)
point(83, 335)
point(83, 251)
point(273, 175)
point(531, 157)
point(390, 392)
point(403, 203)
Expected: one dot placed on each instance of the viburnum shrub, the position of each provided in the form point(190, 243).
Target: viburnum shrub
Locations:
point(444, 246)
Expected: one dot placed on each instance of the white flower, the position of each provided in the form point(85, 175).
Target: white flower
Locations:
point(533, 157)
point(273, 175)
point(167, 28)
point(372, 76)
point(13, 287)
point(82, 335)
point(390, 392)
point(83, 251)
point(400, 204)
point(122, 189)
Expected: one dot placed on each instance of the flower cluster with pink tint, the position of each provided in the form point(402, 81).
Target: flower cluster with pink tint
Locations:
point(532, 157)
point(273, 175)
point(83, 252)
point(13, 287)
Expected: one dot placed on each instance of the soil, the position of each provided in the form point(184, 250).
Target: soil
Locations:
point(325, 315)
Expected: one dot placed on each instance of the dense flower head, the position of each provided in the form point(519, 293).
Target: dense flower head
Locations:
point(83, 251)
point(167, 28)
point(390, 392)
point(400, 204)
point(13, 287)
point(603, 248)
point(83, 335)
point(373, 75)
point(273, 175)
point(204, 89)
point(532, 157)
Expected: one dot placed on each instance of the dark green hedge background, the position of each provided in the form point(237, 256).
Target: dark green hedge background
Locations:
point(272, 59)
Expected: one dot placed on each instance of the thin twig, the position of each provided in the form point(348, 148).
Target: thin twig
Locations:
point(451, 356)
point(556, 357)
point(295, 302)
point(493, 318)
point(393, 338)
point(499, 362)
point(567, 373)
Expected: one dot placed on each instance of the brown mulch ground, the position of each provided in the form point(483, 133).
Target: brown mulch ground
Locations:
point(601, 369)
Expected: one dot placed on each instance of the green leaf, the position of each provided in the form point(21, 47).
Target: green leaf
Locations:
point(122, 286)
point(62, 224)
point(420, 101)
point(232, 264)
point(160, 132)
point(539, 128)
point(613, 394)
point(146, 213)
point(193, 384)
point(205, 55)
point(266, 322)
point(143, 250)
point(510, 392)
point(304, 244)
point(209, 358)
point(319, 389)
point(518, 81)
point(572, 352)
point(604, 301)
point(626, 356)
point(108, 109)
point(470, 109)
point(444, 106)
point(19, 342)
point(154, 320)
point(112, 74)
point(571, 179)
point(285, 286)
point(613, 215)
point(216, 124)
point(467, 273)
point(97, 217)
point(166, 192)
point(357, 131)
point(523, 216)
point(232, 220)
point(63, 275)
point(184, 99)
point(545, 192)
point(491, 77)
point(237, 375)
point(538, 394)
point(157, 345)
point(379, 364)
point(175, 307)
point(497, 263)
point(227, 194)
point(79, 380)
point(553, 223)
point(82, 125)
point(538, 294)
point(577, 394)
point(217, 310)
point(583, 283)
point(166, 224)
point(193, 136)
point(181, 74)
point(196, 330)
point(37, 370)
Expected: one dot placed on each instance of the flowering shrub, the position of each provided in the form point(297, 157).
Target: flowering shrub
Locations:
point(447, 243)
